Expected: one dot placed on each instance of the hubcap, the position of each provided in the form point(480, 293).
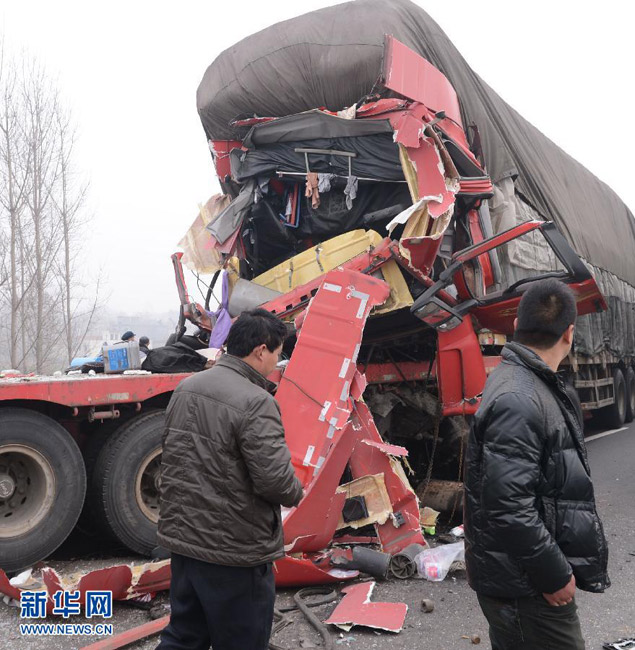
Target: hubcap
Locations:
point(27, 489)
point(147, 484)
point(7, 486)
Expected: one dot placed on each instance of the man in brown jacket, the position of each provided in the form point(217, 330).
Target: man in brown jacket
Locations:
point(226, 470)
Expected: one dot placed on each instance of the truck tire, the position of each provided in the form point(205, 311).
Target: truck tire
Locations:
point(88, 524)
point(125, 482)
point(42, 487)
point(630, 394)
point(614, 415)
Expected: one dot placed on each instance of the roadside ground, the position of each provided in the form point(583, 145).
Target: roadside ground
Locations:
point(605, 617)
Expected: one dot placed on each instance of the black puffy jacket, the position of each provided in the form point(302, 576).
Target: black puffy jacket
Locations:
point(530, 516)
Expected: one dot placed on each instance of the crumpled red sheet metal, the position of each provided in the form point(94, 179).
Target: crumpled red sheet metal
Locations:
point(327, 427)
point(124, 580)
point(357, 609)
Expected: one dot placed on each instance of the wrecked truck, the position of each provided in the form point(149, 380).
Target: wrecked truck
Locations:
point(383, 201)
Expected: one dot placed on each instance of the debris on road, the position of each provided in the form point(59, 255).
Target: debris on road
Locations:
point(434, 563)
point(356, 609)
point(126, 581)
point(620, 644)
point(374, 563)
point(427, 605)
point(428, 519)
point(474, 638)
point(130, 636)
point(402, 564)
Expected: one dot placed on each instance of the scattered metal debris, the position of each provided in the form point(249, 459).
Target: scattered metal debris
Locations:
point(356, 609)
point(126, 581)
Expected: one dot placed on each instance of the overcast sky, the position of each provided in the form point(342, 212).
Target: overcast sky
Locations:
point(129, 71)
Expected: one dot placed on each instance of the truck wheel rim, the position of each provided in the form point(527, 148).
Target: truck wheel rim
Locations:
point(27, 489)
point(147, 485)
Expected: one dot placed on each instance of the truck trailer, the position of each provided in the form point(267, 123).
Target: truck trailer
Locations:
point(387, 205)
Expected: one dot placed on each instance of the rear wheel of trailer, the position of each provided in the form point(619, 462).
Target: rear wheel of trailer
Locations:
point(42, 486)
point(614, 415)
point(125, 482)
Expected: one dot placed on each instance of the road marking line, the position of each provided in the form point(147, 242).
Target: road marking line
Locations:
point(603, 434)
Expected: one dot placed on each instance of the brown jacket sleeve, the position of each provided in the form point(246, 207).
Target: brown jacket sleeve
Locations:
point(264, 449)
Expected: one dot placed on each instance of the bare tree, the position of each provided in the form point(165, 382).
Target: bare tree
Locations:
point(42, 290)
point(15, 161)
point(69, 201)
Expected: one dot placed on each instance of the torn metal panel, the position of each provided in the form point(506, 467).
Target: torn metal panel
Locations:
point(403, 527)
point(392, 450)
point(125, 581)
point(460, 369)
point(293, 571)
point(357, 609)
point(373, 490)
point(409, 74)
point(311, 526)
point(433, 182)
point(314, 390)
point(220, 150)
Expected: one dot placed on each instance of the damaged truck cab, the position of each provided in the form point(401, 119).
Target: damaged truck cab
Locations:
point(373, 228)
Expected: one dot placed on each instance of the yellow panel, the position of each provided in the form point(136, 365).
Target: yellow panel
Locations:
point(316, 261)
point(400, 295)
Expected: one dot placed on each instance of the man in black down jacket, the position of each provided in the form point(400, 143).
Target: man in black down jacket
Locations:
point(531, 527)
point(225, 471)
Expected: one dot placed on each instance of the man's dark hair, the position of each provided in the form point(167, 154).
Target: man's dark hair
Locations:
point(544, 313)
point(144, 340)
point(253, 328)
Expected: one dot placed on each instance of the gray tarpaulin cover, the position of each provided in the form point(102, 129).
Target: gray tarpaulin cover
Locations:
point(333, 57)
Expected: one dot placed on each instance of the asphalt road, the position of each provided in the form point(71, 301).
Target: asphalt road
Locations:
point(605, 617)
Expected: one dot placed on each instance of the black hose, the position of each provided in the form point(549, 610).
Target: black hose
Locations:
point(311, 617)
point(328, 596)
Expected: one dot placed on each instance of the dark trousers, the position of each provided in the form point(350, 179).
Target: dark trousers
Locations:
point(531, 624)
point(227, 607)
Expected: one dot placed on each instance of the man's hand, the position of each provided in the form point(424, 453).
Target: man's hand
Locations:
point(563, 596)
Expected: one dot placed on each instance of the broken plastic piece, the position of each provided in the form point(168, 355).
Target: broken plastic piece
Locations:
point(356, 609)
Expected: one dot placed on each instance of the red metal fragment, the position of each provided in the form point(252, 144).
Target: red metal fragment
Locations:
point(314, 392)
point(393, 450)
point(7, 588)
point(125, 581)
point(410, 75)
point(356, 609)
point(130, 636)
point(403, 527)
point(296, 571)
